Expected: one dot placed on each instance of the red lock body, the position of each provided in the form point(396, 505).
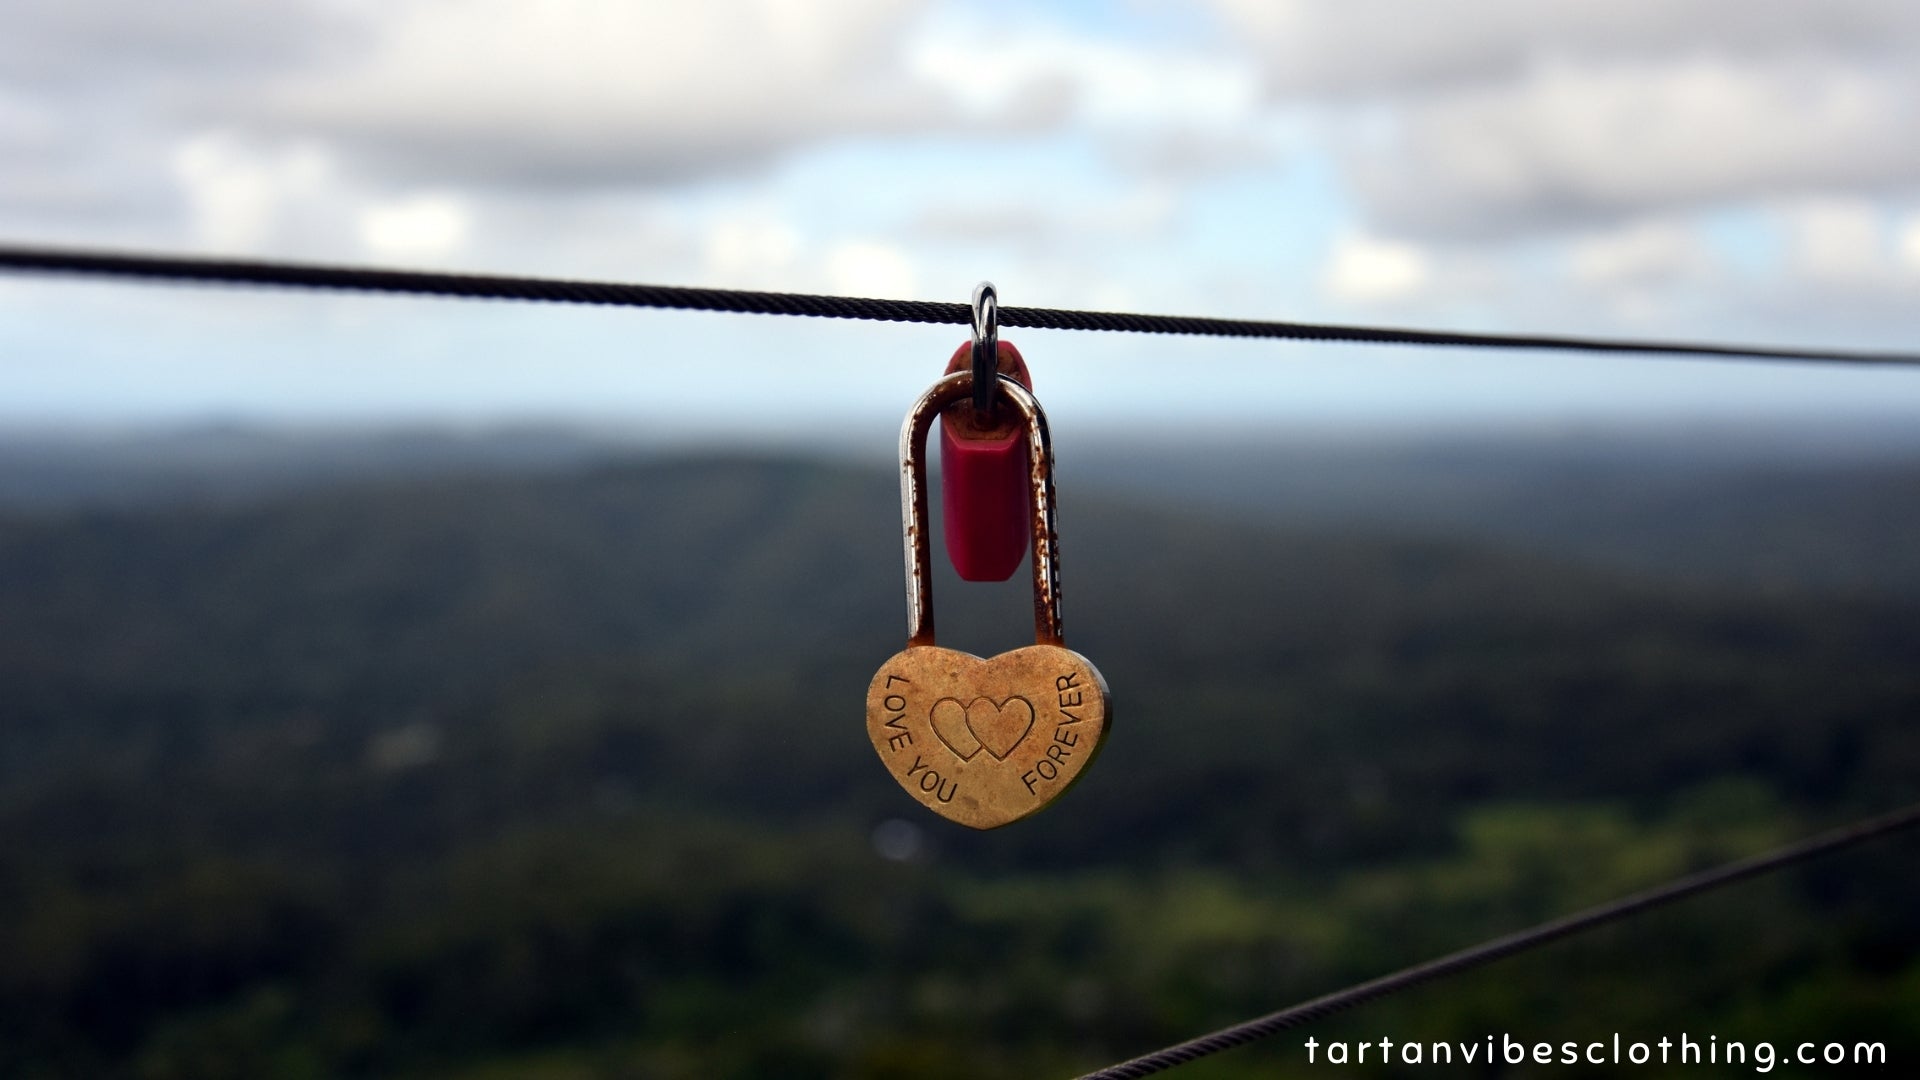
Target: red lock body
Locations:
point(983, 479)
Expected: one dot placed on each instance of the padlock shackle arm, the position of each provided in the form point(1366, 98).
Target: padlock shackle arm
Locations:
point(913, 505)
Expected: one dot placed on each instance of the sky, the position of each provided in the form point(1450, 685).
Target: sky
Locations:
point(1736, 170)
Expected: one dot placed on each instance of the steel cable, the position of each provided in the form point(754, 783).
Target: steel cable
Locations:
point(561, 291)
point(1502, 947)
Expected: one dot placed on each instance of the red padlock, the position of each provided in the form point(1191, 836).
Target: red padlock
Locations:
point(983, 478)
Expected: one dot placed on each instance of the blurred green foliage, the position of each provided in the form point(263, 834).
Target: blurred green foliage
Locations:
point(469, 779)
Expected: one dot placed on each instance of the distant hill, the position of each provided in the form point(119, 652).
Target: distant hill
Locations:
point(1822, 508)
point(562, 772)
point(1230, 644)
point(1792, 507)
point(224, 462)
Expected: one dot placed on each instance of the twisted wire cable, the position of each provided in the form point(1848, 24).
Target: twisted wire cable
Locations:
point(1520, 941)
point(562, 291)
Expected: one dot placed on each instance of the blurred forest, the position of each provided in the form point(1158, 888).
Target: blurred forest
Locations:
point(560, 772)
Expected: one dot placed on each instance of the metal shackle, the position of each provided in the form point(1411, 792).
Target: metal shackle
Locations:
point(986, 346)
point(913, 505)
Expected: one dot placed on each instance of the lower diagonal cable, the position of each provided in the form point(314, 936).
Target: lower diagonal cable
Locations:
point(1502, 947)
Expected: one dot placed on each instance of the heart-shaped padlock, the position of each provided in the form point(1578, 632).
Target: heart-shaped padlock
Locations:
point(984, 742)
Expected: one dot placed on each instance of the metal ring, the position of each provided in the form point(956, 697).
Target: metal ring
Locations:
point(986, 348)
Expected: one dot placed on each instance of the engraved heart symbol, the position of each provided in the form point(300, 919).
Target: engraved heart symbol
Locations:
point(949, 722)
point(996, 727)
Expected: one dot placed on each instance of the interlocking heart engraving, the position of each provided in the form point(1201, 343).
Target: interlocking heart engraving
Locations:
point(984, 742)
point(981, 724)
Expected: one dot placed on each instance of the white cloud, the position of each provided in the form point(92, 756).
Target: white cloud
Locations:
point(1043, 222)
point(1836, 240)
point(759, 249)
point(1910, 243)
point(756, 247)
point(242, 198)
point(1511, 116)
point(1327, 48)
point(428, 226)
point(107, 48)
point(869, 268)
point(1648, 253)
point(606, 93)
point(1368, 270)
point(1573, 143)
point(1167, 111)
point(1108, 84)
point(25, 124)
